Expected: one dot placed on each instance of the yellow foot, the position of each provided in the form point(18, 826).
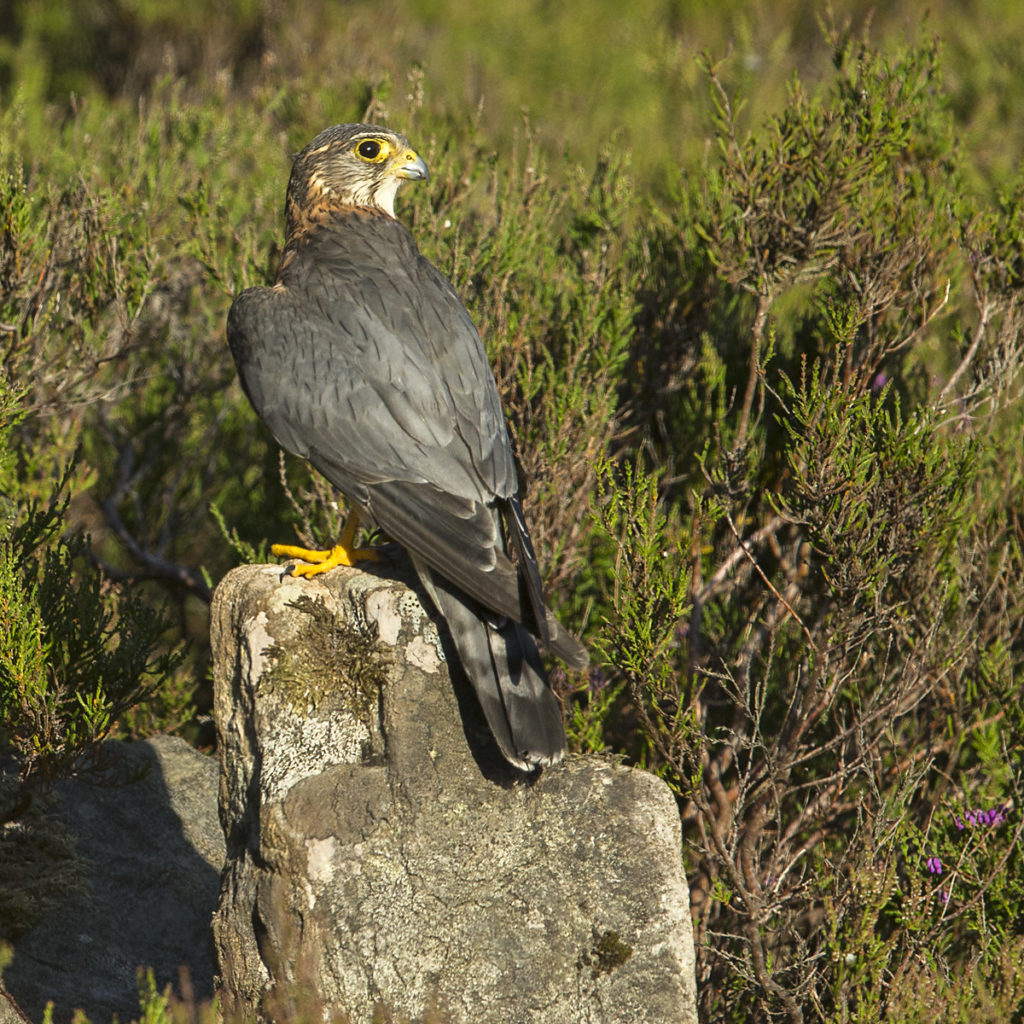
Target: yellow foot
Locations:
point(323, 561)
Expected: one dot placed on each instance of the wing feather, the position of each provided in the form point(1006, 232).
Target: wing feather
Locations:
point(363, 360)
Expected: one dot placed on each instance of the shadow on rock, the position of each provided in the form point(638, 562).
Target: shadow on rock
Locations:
point(138, 891)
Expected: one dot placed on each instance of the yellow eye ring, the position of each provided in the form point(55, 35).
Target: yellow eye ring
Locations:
point(373, 150)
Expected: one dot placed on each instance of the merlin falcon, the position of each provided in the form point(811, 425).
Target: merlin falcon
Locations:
point(362, 360)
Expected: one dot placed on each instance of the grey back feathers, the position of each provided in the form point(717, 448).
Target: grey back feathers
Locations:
point(362, 359)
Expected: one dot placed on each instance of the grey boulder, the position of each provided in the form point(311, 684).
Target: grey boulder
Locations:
point(131, 875)
point(382, 858)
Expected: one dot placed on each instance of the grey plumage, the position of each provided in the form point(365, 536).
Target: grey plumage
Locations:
point(362, 359)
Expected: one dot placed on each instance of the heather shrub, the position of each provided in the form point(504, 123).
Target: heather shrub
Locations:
point(76, 652)
point(832, 691)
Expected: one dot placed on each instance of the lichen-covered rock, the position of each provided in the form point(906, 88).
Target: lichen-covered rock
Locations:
point(381, 853)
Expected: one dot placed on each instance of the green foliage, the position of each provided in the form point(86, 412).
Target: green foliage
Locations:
point(876, 496)
point(74, 654)
point(650, 587)
point(853, 541)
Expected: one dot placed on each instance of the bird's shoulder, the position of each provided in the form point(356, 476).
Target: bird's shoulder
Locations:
point(360, 272)
point(345, 240)
point(360, 334)
point(338, 274)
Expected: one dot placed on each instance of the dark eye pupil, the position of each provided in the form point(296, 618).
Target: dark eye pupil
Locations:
point(369, 149)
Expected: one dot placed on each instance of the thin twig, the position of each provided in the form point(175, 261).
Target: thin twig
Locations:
point(768, 583)
point(155, 568)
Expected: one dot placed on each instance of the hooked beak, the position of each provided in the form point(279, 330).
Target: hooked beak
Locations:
point(410, 166)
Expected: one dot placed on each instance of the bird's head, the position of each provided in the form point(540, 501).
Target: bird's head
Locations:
point(354, 165)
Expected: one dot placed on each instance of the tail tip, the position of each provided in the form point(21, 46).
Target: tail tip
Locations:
point(531, 761)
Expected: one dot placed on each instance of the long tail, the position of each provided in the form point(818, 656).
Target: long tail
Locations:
point(502, 662)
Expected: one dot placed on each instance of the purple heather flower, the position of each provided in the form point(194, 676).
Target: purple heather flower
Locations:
point(980, 816)
point(934, 865)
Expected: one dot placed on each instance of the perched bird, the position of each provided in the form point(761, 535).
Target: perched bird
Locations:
point(362, 359)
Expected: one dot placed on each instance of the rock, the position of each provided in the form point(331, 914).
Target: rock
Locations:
point(138, 885)
point(382, 857)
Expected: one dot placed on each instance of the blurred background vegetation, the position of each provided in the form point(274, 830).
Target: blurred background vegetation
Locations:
point(752, 285)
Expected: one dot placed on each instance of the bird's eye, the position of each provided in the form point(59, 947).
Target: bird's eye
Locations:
point(373, 150)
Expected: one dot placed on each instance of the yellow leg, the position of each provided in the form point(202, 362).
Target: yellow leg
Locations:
point(321, 561)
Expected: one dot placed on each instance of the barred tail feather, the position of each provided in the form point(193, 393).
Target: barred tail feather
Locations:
point(502, 662)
